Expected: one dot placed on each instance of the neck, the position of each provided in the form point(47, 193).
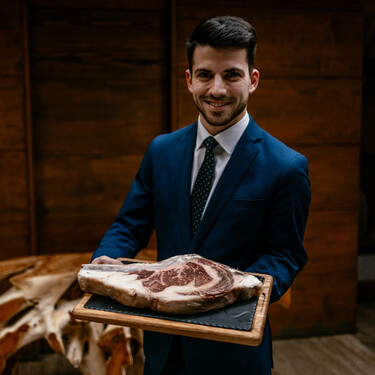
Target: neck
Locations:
point(216, 129)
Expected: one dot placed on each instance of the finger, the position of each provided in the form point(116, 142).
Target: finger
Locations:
point(104, 259)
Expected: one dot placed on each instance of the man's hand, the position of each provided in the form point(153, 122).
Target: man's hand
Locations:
point(105, 260)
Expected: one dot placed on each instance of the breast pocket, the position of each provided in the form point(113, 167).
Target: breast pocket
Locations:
point(241, 224)
point(245, 204)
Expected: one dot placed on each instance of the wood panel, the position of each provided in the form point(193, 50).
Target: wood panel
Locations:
point(72, 235)
point(14, 238)
point(292, 43)
point(320, 294)
point(100, 80)
point(334, 176)
point(11, 37)
point(12, 130)
point(311, 43)
point(99, 88)
point(80, 234)
point(309, 111)
point(14, 186)
point(80, 186)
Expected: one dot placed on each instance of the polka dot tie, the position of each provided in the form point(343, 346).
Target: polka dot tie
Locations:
point(203, 184)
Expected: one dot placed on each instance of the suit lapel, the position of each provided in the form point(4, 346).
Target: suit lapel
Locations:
point(240, 161)
point(184, 158)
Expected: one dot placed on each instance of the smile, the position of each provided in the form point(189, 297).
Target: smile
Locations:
point(217, 104)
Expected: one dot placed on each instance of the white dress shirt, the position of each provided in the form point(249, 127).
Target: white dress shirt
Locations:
point(227, 140)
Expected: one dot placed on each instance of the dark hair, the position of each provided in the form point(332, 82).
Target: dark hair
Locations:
point(223, 32)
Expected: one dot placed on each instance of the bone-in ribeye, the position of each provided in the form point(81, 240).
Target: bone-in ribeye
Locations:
point(183, 284)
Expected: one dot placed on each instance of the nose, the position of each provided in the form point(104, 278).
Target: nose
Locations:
point(217, 87)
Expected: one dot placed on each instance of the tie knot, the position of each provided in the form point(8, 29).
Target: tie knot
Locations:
point(210, 143)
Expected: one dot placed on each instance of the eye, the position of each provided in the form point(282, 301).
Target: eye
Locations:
point(204, 75)
point(233, 75)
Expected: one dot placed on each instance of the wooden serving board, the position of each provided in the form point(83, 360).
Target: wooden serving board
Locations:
point(252, 337)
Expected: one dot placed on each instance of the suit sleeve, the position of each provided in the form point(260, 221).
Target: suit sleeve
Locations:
point(134, 224)
point(283, 254)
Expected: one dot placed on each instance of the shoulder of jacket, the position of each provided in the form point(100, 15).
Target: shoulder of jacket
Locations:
point(175, 135)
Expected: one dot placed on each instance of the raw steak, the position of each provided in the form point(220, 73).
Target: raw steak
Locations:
point(183, 284)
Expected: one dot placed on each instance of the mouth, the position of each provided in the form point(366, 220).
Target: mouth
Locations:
point(217, 103)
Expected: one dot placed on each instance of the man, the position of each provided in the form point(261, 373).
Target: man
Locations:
point(256, 211)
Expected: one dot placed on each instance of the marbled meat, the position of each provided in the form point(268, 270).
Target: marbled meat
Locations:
point(183, 284)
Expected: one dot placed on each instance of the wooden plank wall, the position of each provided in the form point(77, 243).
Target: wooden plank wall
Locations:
point(15, 220)
point(106, 77)
point(100, 90)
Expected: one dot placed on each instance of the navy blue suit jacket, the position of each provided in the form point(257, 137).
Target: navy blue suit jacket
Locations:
point(255, 222)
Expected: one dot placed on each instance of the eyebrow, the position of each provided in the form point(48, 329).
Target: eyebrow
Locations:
point(200, 70)
point(238, 70)
point(230, 70)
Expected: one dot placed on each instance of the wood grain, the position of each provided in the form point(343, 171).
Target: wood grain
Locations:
point(108, 103)
point(12, 129)
point(348, 354)
point(11, 37)
point(14, 237)
point(321, 293)
point(14, 186)
point(307, 43)
point(108, 97)
point(334, 176)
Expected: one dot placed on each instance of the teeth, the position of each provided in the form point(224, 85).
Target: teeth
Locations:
point(218, 104)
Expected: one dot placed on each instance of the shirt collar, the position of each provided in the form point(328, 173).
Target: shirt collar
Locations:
point(228, 138)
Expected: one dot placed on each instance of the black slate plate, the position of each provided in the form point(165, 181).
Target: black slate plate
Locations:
point(239, 315)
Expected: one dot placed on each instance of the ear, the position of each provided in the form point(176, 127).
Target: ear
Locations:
point(254, 79)
point(189, 80)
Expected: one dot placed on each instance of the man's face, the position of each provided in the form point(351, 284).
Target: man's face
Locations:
point(220, 83)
